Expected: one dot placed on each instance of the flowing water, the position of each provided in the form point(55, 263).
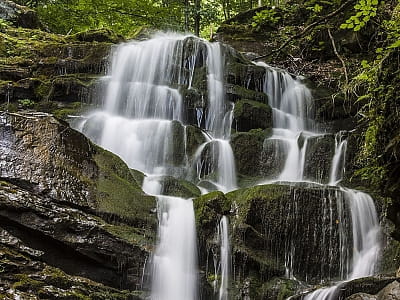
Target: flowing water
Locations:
point(142, 116)
point(292, 122)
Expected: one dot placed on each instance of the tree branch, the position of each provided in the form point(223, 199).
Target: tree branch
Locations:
point(308, 28)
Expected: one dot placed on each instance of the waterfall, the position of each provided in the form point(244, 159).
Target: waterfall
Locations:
point(338, 161)
point(366, 243)
point(293, 125)
point(141, 118)
point(290, 101)
point(224, 258)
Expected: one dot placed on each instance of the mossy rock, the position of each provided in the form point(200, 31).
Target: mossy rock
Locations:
point(209, 208)
point(250, 114)
point(247, 148)
point(172, 186)
point(244, 73)
point(194, 138)
point(318, 158)
point(118, 192)
point(236, 92)
point(98, 35)
point(274, 219)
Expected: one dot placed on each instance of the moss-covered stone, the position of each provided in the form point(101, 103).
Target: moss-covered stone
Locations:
point(247, 148)
point(274, 219)
point(251, 115)
point(118, 192)
point(98, 35)
point(194, 138)
point(236, 92)
point(318, 158)
point(172, 186)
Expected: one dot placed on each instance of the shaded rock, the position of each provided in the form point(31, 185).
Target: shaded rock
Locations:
point(19, 15)
point(245, 74)
point(247, 148)
point(26, 277)
point(172, 186)
point(194, 138)
point(276, 219)
point(251, 115)
point(318, 159)
point(78, 242)
point(46, 156)
point(236, 92)
point(98, 35)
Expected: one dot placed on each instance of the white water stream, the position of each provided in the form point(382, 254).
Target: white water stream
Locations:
point(138, 118)
point(291, 103)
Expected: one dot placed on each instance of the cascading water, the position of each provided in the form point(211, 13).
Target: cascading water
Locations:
point(224, 258)
point(290, 101)
point(140, 120)
point(292, 124)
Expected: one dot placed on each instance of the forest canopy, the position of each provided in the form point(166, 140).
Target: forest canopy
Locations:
point(125, 16)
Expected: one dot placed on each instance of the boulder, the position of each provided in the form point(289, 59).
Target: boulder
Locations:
point(281, 228)
point(249, 115)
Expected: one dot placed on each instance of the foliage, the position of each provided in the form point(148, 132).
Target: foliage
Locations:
point(264, 18)
point(26, 103)
point(375, 84)
point(366, 9)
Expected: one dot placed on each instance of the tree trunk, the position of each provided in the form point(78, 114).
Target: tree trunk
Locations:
point(197, 17)
point(186, 2)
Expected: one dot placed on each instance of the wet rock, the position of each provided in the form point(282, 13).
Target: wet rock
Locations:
point(69, 238)
point(236, 92)
point(251, 115)
point(318, 158)
point(245, 74)
point(172, 186)
point(247, 148)
point(46, 156)
point(274, 220)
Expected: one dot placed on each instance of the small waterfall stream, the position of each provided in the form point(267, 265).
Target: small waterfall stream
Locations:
point(138, 119)
point(291, 102)
point(139, 114)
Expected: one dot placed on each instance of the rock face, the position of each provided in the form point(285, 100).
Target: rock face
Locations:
point(276, 231)
point(75, 203)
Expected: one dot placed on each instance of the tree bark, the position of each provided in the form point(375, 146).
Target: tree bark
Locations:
point(197, 17)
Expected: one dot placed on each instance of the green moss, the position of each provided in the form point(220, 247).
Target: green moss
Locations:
point(133, 235)
point(118, 192)
point(209, 208)
point(25, 283)
point(243, 197)
point(237, 92)
point(178, 187)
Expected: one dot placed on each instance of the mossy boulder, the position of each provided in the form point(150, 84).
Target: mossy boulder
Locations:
point(98, 35)
point(172, 186)
point(318, 158)
point(237, 92)
point(247, 148)
point(274, 220)
point(251, 115)
point(70, 168)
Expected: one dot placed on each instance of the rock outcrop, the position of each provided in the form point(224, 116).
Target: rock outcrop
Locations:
point(77, 205)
